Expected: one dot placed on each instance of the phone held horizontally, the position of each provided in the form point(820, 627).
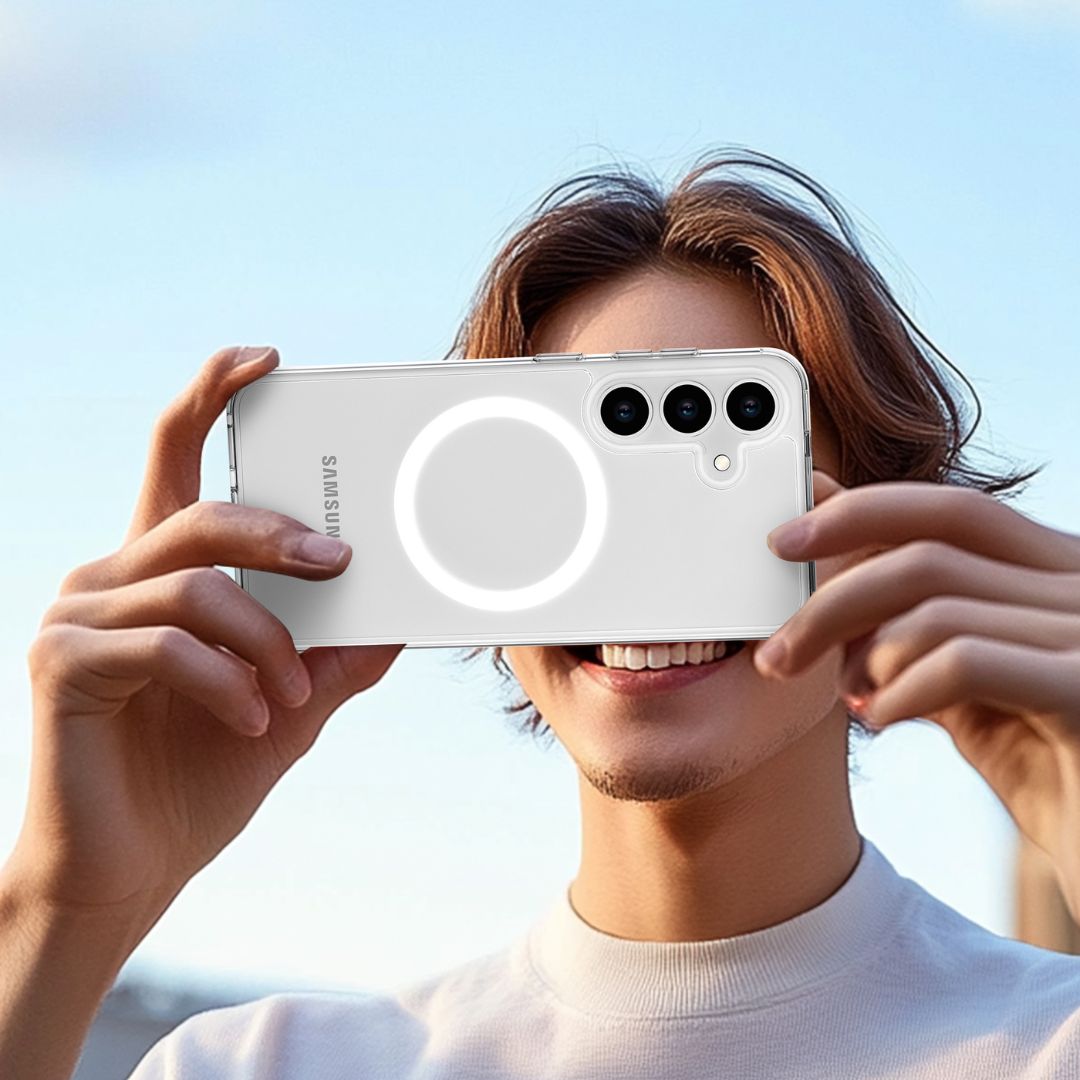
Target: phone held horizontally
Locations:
point(553, 499)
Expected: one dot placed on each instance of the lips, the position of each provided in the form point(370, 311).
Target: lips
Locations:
point(655, 667)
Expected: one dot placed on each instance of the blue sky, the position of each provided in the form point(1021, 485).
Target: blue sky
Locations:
point(332, 179)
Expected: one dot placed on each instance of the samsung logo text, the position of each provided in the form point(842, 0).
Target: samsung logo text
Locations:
point(331, 499)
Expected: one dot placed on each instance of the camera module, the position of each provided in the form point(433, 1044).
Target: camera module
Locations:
point(687, 408)
point(624, 410)
point(750, 406)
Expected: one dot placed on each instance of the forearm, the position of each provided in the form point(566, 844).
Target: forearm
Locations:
point(55, 969)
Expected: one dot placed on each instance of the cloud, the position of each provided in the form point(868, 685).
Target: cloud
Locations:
point(85, 81)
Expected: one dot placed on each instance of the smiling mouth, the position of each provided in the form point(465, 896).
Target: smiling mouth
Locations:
point(657, 656)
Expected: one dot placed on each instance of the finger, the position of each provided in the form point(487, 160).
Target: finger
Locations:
point(217, 534)
point(171, 480)
point(824, 486)
point(998, 674)
point(88, 671)
point(898, 643)
point(206, 603)
point(893, 513)
point(340, 672)
point(337, 674)
point(862, 597)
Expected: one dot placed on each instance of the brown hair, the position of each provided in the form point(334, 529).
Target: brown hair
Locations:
point(874, 375)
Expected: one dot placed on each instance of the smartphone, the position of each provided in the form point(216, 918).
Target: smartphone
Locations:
point(551, 499)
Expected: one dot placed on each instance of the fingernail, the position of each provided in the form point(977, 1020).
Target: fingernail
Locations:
point(859, 707)
point(788, 538)
point(256, 718)
point(249, 354)
point(297, 685)
point(773, 653)
point(321, 550)
point(856, 702)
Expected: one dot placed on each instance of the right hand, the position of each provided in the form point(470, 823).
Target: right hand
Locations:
point(153, 745)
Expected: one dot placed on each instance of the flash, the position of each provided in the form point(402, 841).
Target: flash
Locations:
point(722, 462)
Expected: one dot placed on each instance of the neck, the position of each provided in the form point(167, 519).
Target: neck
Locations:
point(752, 852)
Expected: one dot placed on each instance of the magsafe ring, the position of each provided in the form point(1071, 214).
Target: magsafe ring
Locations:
point(408, 528)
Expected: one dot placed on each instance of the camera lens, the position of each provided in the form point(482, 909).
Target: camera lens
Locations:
point(687, 408)
point(624, 410)
point(750, 406)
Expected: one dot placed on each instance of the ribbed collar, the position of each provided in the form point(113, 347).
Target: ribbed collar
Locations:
point(604, 975)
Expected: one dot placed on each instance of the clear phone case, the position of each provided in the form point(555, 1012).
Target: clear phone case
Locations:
point(487, 502)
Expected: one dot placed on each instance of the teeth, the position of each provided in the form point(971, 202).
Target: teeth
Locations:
point(660, 656)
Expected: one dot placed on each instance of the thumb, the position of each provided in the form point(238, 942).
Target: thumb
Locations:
point(337, 673)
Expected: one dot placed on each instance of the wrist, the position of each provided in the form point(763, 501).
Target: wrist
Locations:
point(57, 963)
point(47, 916)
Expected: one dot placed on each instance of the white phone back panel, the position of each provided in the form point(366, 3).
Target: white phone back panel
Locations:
point(486, 503)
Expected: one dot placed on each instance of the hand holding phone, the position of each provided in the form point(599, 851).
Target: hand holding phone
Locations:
point(154, 675)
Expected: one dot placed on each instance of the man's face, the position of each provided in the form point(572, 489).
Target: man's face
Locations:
point(632, 744)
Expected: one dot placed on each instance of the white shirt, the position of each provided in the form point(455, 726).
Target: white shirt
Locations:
point(881, 980)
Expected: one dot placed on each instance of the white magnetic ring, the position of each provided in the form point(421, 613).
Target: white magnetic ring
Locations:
point(509, 408)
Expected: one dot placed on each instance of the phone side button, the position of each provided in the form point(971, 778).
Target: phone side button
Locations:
point(555, 357)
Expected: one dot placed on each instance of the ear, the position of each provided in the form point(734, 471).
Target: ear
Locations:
point(825, 485)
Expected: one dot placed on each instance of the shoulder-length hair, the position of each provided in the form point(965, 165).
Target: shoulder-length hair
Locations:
point(894, 399)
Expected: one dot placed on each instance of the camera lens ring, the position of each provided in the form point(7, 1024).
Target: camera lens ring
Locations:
point(750, 405)
point(625, 410)
point(688, 408)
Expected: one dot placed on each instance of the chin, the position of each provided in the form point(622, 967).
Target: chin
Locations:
point(665, 720)
point(642, 769)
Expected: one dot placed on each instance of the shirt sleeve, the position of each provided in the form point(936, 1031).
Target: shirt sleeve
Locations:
point(290, 1036)
point(238, 1042)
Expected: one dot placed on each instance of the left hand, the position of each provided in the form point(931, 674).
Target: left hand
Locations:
point(961, 611)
